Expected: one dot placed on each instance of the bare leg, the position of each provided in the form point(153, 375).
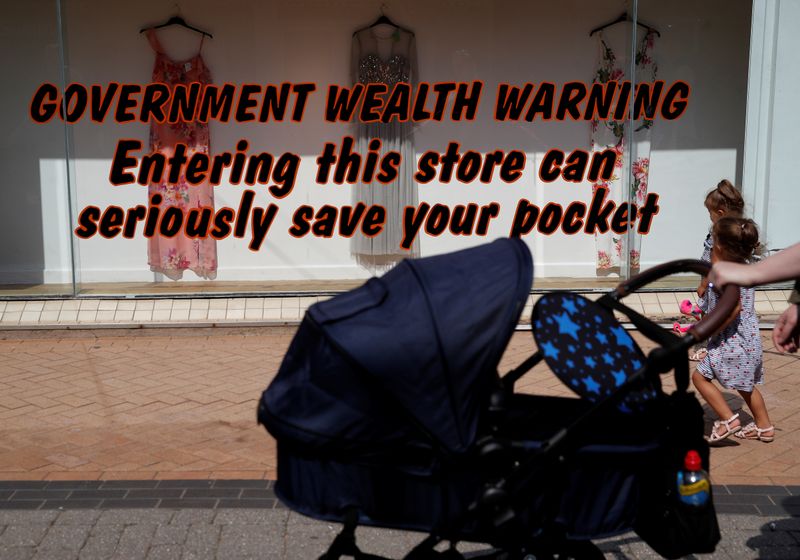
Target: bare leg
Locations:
point(755, 402)
point(714, 398)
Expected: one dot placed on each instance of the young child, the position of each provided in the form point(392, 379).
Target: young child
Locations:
point(724, 200)
point(782, 266)
point(734, 355)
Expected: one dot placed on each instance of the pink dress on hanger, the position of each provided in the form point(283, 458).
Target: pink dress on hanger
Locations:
point(172, 256)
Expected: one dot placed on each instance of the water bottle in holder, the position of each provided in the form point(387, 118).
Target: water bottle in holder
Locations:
point(694, 488)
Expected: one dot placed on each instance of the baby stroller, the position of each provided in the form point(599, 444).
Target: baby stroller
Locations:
point(388, 411)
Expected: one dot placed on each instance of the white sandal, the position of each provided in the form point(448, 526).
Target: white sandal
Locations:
point(716, 436)
point(698, 355)
point(751, 431)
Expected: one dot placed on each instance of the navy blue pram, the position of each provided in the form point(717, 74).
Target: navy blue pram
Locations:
point(388, 411)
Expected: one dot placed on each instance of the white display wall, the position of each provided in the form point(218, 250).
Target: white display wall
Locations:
point(770, 174)
point(704, 44)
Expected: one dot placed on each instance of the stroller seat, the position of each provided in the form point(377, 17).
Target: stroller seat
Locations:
point(586, 347)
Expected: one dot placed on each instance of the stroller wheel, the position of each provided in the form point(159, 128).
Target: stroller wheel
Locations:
point(580, 550)
point(566, 550)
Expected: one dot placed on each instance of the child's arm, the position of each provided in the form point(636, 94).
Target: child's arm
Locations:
point(701, 289)
point(704, 281)
point(733, 316)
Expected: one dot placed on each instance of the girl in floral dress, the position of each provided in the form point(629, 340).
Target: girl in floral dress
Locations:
point(724, 200)
point(734, 356)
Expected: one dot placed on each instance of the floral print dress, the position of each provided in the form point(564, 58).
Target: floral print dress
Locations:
point(708, 247)
point(735, 355)
point(610, 134)
point(172, 256)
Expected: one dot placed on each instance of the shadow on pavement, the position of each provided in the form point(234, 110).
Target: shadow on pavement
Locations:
point(778, 538)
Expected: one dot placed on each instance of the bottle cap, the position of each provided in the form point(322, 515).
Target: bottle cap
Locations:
point(692, 461)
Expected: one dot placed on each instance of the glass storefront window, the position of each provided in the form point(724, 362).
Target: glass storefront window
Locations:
point(36, 253)
point(735, 57)
point(706, 45)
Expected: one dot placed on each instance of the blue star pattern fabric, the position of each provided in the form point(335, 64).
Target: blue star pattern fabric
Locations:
point(567, 326)
point(587, 348)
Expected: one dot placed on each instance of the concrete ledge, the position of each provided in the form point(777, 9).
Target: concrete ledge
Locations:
point(277, 311)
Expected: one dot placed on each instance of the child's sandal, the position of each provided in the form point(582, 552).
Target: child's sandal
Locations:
point(716, 436)
point(751, 431)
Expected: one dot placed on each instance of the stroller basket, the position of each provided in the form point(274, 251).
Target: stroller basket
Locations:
point(388, 409)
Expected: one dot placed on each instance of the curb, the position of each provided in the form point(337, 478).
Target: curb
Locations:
point(760, 500)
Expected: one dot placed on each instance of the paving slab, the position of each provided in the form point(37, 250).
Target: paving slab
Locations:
point(289, 536)
point(84, 409)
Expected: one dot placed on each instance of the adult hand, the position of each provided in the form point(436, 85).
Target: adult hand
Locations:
point(723, 273)
point(786, 334)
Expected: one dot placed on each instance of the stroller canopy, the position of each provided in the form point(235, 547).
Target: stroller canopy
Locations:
point(426, 336)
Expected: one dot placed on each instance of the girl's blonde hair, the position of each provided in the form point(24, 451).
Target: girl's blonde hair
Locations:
point(737, 238)
point(727, 198)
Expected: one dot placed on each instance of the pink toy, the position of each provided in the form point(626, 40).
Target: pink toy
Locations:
point(691, 310)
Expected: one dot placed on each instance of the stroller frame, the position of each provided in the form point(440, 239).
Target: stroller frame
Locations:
point(500, 503)
point(671, 355)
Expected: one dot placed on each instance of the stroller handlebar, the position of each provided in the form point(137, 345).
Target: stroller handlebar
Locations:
point(709, 324)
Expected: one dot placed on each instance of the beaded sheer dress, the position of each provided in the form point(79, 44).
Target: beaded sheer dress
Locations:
point(385, 54)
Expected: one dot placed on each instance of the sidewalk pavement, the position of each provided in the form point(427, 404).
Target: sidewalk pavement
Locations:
point(227, 534)
point(180, 403)
point(174, 411)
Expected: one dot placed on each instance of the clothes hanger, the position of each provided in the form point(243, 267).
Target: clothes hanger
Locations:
point(177, 20)
point(383, 20)
point(625, 16)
